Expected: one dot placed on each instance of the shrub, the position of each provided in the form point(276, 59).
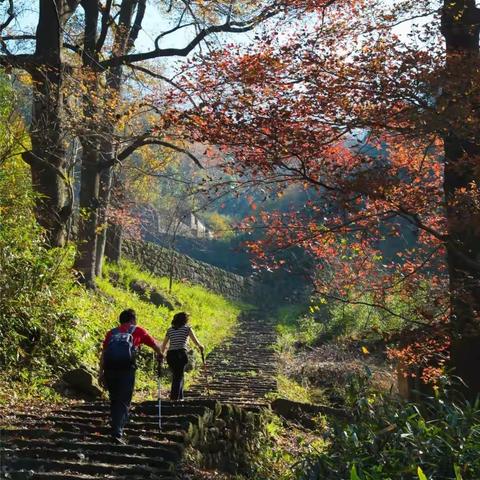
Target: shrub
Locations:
point(392, 439)
point(33, 283)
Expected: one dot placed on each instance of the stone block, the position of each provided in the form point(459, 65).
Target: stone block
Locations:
point(81, 381)
point(139, 287)
point(160, 300)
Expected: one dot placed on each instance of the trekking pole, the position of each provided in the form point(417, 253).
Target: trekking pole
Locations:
point(206, 372)
point(159, 393)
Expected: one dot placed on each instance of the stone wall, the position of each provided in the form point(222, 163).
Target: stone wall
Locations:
point(158, 260)
point(229, 439)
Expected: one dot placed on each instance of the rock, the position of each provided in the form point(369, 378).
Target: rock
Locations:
point(160, 300)
point(139, 287)
point(220, 424)
point(81, 381)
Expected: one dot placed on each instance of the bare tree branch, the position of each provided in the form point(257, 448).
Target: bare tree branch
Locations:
point(229, 27)
point(106, 22)
point(143, 141)
point(10, 16)
point(165, 79)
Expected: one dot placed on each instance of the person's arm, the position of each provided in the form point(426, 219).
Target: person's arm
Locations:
point(164, 345)
point(192, 335)
point(157, 348)
point(147, 339)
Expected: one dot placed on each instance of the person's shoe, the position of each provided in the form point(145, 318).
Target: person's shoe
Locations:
point(119, 440)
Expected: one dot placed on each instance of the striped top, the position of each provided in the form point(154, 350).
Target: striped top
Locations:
point(178, 337)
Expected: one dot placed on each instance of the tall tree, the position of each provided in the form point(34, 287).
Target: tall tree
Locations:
point(461, 137)
point(383, 127)
point(105, 48)
point(47, 155)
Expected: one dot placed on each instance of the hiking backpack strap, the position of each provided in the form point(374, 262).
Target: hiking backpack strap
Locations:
point(120, 352)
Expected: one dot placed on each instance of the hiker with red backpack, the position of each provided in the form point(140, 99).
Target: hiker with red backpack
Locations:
point(117, 367)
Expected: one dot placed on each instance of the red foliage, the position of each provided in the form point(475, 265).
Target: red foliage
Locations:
point(350, 110)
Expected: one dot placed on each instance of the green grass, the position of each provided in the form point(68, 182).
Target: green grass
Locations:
point(295, 323)
point(291, 390)
point(213, 317)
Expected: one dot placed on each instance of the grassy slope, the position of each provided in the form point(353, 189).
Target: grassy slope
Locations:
point(212, 316)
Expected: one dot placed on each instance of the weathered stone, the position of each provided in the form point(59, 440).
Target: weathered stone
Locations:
point(81, 381)
point(220, 424)
point(160, 300)
point(139, 287)
point(214, 431)
point(158, 261)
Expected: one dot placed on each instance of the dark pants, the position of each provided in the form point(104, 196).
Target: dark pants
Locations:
point(120, 385)
point(177, 361)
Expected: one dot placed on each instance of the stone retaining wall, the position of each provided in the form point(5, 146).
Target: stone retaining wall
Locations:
point(158, 260)
point(229, 440)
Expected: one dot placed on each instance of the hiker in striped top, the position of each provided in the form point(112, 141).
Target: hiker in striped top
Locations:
point(177, 339)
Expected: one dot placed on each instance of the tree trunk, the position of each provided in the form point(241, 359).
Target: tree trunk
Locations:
point(47, 155)
point(93, 240)
point(113, 247)
point(105, 189)
point(460, 27)
point(87, 235)
point(85, 261)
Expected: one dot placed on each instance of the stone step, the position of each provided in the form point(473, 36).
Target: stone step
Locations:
point(85, 456)
point(168, 451)
point(47, 465)
point(241, 401)
point(214, 383)
point(207, 403)
point(133, 420)
point(31, 475)
point(167, 410)
point(105, 439)
point(218, 383)
point(97, 426)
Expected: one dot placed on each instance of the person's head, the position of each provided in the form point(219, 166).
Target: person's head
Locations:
point(128, 316)
point(180, 319)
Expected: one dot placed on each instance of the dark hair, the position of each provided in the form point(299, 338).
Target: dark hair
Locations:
point(128, 315)
point(180, 319)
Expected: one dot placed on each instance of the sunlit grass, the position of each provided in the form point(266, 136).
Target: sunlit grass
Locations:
point(212, 316)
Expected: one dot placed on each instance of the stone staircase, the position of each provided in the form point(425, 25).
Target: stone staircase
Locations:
point(243, 370)
point(74, 442)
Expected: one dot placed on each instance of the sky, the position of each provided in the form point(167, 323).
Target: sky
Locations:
point(154, 23)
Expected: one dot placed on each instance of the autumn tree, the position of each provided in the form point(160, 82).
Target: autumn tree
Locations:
point(381, 122)
point(47, 156)
point(94, 42)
